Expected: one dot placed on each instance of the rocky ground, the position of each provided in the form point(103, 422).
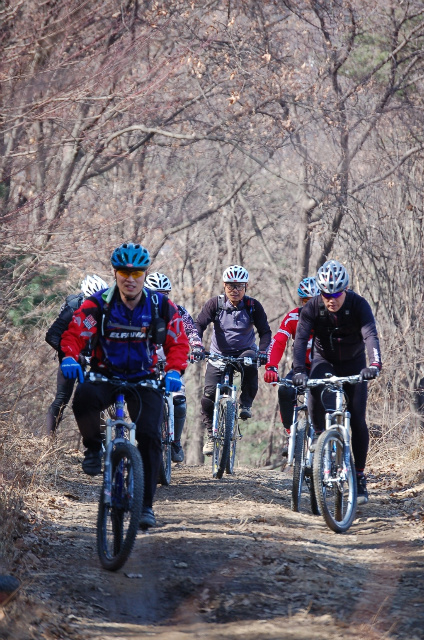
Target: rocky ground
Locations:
point(228, 560)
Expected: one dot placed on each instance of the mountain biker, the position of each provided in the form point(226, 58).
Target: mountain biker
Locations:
point(343, 325)
point(161, 283)
point(65, 386)
point(286, 395)
point(126, 322)
point(234, 316)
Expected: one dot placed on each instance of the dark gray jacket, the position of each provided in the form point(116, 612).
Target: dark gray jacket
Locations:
point(234, 328)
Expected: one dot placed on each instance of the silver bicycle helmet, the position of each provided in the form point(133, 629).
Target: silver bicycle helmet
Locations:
point(92, 284)
point(332, 277)
point(235, 273)
point(308, 288)
point(158, 282)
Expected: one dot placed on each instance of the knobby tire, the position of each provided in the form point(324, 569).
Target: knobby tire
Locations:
point(335, 489)
point(229, 467)
point(222, 442)
point(118, 522)
point(165, 468)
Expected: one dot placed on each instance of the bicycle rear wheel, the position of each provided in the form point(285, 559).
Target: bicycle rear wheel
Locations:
point(335, 483)
point(300, 446)
point(118, 520)
point(165, 465)
point(222, 442)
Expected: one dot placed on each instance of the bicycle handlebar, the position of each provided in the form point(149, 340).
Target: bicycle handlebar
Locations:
point(246, 360)
point(98, 377)
point(334, 381)
point(316, 382)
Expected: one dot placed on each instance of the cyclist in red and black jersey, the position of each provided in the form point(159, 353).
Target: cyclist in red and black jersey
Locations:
point(286, 395)
point(343, 326)
point(126, 322)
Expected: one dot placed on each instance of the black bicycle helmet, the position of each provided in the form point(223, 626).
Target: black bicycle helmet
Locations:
point(130, 256)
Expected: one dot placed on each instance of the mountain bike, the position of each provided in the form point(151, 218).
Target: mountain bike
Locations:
point(225, 424)
point(167, 430)
point(334, 472)
point(121, 497)
point(299, 454)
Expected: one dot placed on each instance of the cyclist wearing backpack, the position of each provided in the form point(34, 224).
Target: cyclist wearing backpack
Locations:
point(343, 325)
point(234, 316)
point(161, 283)
point(286, 395)
point(65, 386)
point(126, 322)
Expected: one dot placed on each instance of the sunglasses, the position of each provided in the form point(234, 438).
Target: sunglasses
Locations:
point(126, 273)
point(332, 295)
point(235, 287)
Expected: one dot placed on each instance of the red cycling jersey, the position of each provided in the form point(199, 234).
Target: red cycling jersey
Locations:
point(287, 330)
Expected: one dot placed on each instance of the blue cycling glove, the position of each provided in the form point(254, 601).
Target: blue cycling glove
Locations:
point(71, 369)
point(173, 381)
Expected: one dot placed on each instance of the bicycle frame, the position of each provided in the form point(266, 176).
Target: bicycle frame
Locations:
point(303, 406)
point(339, 417)
point(226, 389)
point(119, 430)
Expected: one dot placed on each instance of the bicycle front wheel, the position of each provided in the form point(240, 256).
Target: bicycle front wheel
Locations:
point(165, 465)
point(334, 482)
point(118, 519)
point(222, 442)
point(229, 467)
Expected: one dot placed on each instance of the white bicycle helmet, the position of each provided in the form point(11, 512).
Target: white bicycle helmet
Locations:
point(92, 284)
point(308, 288)
point(236, 273)
point(332, 277)
point(158, 282)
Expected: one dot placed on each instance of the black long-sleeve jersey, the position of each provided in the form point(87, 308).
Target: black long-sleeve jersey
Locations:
point(339, 336)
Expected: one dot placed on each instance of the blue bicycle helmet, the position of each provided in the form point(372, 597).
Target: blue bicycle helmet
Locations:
point(130, 256)
point(308, 288)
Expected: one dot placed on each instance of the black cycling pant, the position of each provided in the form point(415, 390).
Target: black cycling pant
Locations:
point(249, 387)
point(356, 403)
point(91, 398)
point(64, 389)
point(180, 412)
point(287, 403)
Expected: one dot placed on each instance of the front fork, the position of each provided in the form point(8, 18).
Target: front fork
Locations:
point(343, 427)
point(230, 392)
point(116, 426)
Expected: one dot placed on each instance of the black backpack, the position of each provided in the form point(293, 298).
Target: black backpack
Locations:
point(54, 332)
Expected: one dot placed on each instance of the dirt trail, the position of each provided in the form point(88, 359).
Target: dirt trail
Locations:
point(228, 560)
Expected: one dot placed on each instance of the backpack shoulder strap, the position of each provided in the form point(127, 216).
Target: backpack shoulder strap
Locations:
point(250, 306)
point(220, 305)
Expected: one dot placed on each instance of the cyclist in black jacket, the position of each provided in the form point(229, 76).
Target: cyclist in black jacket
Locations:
point(65, 386)
point(343, 325)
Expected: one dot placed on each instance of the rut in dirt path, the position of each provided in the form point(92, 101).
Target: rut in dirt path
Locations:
point(229, 558)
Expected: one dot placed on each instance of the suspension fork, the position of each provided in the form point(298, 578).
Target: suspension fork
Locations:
point(227, 384)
